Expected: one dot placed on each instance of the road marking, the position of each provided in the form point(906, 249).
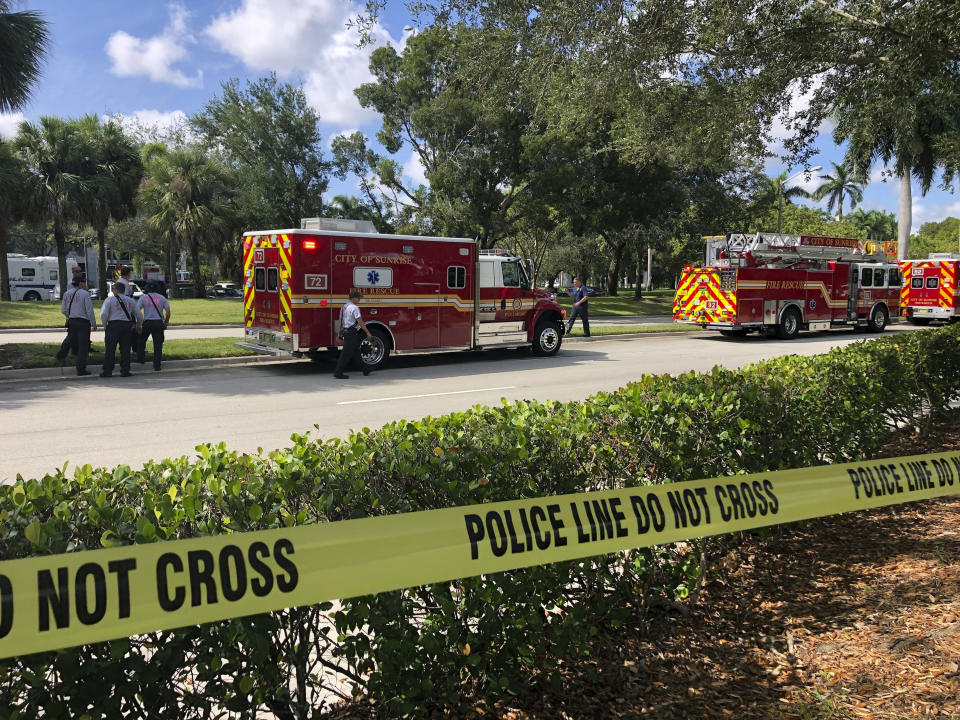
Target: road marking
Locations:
point(411, 397)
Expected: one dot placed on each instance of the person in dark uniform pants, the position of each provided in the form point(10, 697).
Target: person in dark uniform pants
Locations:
point(119, 317)
point(579, 308)
point(78, 309)
point(156, 315)
point(351, 323)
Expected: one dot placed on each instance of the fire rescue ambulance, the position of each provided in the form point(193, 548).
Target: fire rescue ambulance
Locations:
point(778, 284)
point(930, 288)
point(419, 293)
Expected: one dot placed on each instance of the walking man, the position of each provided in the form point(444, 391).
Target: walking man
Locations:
point(156, 315)
point(579, 308)
point(78, 309)
point(119, 316)
point(350, 325)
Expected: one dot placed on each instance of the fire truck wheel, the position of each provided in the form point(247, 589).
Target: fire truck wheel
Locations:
point(547, 337)
point(878, 319)
point(375, 351)
point(789, 326)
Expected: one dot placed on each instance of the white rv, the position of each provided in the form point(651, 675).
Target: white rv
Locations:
point(36, 278)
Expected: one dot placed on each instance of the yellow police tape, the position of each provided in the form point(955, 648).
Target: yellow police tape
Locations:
point(59, 601)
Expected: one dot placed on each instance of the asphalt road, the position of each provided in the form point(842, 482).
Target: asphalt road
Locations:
point(46, 423)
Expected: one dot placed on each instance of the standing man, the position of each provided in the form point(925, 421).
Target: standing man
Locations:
point(579, 308)
point(156, 315)
point(78, 309)
point(118, 315)
point(126, 272)
point(350, 325)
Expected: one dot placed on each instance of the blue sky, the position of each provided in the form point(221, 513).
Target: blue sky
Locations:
point(157, 62)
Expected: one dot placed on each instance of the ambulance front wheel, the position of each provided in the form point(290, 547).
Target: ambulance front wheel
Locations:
point(375, 351)
point(547, 337)
point(878, 319)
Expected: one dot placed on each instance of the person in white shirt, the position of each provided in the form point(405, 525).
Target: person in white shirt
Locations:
point(126, 272)
point(156, 315)
point(119, 316)
point(78, 309)
point(351, 323)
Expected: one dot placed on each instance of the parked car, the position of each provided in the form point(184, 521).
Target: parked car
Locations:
point(95, 292)
point(224, 290)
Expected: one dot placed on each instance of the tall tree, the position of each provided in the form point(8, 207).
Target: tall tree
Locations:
point(13, 181)
point(843, 183)
point(268, 134)
point(115, 167)
point(187, 197)
point(468, 142)
point(57, 155)
point(24, 39)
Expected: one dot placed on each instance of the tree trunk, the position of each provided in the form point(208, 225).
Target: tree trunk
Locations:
point(195, 268)
point(101, 262)
point(4, 269)
point(613, 268)
point(905, 220)
point(172, 266)
point(638, 272)
point(61, 238)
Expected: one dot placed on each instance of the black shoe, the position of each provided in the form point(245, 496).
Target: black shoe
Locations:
point(93, 349)
point(83, 372)
point(126, 374)
point(366, 372)
point(341, 376)
point(106, 374)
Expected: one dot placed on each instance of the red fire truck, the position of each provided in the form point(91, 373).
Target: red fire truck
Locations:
point(778, 284)
point(930, 288)
point(419, 293)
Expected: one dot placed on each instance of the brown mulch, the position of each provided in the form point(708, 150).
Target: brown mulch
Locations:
point(849, 616)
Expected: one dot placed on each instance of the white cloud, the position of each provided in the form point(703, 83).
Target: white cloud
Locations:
point(156, 56)
point(307, 37)
point(925, 211)
point(414, 170)
point(10, 124)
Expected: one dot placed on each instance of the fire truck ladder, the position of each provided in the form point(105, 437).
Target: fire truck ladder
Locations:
point(792, 248)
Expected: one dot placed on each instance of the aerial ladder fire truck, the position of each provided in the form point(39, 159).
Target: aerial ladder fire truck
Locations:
point(778, 284)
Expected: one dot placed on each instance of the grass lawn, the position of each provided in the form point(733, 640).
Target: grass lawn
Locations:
point(183, 312)
point(655, 302)
point(596, 330)
point(230, 312)
point(40, 355)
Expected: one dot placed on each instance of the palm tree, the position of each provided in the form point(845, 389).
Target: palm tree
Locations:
point(117, 168)
point(57, 156)
point(187, 196)
point(349, 207)
point(23, 44)
point(13, 179)
point(844, 182)
point(877, 225)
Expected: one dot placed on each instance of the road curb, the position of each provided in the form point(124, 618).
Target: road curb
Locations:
point(68, 372)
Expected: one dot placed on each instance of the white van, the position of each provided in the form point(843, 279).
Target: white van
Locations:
point(36, 278)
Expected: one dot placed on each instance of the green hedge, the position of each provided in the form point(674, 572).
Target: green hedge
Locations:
point(428, 646)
